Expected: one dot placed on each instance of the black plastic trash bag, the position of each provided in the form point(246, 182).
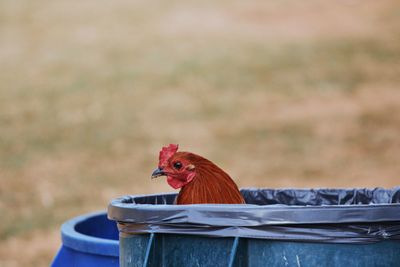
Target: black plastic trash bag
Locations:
point(316, 215)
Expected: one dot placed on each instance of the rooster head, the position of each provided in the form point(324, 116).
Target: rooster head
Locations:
point(176, 166)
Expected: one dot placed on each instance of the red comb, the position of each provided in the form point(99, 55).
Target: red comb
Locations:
point(167, 152)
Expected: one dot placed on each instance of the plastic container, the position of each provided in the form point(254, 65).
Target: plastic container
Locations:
point(324, 227)
point(88, 240)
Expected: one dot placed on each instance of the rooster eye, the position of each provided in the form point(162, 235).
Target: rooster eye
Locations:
point(177, 165)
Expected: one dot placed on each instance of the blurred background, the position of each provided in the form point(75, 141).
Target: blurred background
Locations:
point(278, 93)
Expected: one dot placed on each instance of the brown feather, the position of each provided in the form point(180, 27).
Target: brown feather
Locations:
point(210, 185)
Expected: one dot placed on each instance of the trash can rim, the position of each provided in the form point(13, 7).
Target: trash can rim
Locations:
point(72, 239)
point(247, 214)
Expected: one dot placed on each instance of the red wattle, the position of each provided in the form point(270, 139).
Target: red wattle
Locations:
point(175, 183)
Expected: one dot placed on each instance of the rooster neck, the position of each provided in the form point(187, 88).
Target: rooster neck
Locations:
point(210, 185)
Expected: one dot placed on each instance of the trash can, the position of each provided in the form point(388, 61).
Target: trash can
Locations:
point(282, 227)
point(88, 240)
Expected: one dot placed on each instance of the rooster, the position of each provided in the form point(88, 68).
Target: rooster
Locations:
point(200, 180)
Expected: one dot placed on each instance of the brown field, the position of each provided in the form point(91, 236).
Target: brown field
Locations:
point(278, 93)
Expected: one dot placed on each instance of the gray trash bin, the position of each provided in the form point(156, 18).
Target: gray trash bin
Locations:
point(285, 227)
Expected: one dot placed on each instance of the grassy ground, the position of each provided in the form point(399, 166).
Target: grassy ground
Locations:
point(278, 93)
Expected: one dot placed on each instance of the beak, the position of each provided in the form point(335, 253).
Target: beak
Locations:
point(157, 172)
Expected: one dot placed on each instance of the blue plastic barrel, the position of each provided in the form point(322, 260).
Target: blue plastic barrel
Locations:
point(88, 240)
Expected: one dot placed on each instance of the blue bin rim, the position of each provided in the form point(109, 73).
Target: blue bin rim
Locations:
point(85, 243)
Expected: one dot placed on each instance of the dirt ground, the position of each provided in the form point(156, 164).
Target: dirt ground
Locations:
point(278, 93)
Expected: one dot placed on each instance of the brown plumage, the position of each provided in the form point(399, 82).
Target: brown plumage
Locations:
point(200, 180)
